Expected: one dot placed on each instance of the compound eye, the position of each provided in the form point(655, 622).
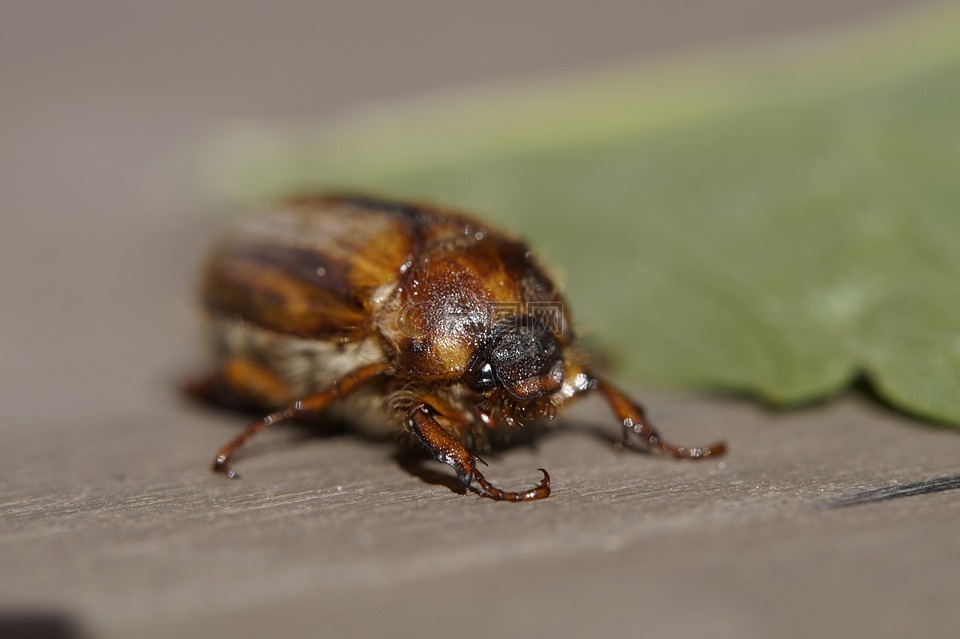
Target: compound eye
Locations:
point(480, 376)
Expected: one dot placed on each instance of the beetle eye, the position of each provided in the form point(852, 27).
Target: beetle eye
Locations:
point(480, 376)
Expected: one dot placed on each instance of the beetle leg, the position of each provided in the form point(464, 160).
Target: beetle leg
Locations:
point(635, 421)
point(447, 449)
point(240, 380)
point(308, 405)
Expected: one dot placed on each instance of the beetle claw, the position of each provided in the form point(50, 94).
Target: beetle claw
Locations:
point(541, 491)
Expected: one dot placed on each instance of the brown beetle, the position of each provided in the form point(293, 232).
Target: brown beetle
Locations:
point(397, 316)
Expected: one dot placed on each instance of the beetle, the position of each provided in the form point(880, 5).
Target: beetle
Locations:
point(398, 317)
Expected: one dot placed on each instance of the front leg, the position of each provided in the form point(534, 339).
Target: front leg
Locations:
point(445, 448)
point(634, 420)
point(580, 382)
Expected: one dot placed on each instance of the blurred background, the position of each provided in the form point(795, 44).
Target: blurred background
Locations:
point(107, 111)
point(108, 106)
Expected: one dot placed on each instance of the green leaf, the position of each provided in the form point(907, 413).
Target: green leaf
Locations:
point(778, 219)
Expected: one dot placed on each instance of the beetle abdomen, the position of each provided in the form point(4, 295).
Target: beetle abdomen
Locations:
point(306, 366)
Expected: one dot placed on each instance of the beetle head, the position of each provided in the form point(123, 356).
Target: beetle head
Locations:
point(522, 357)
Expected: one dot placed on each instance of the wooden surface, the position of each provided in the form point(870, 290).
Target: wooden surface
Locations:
point(836, 520)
